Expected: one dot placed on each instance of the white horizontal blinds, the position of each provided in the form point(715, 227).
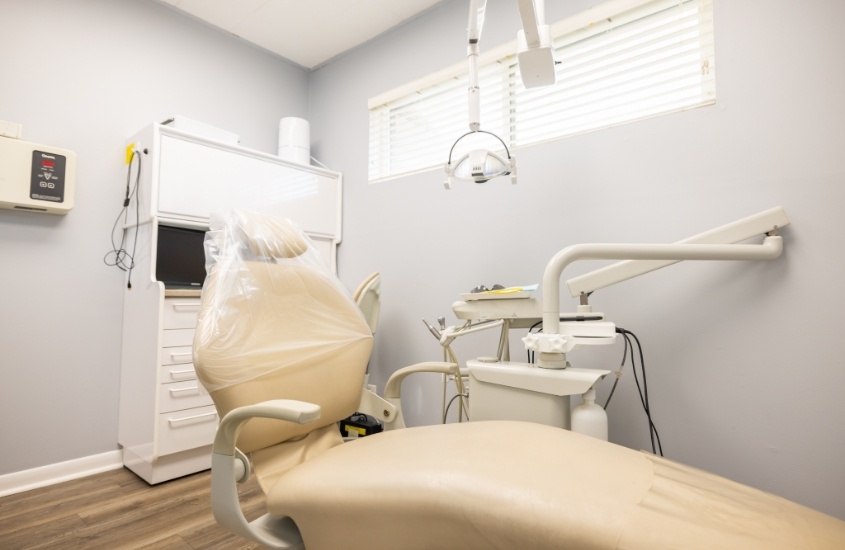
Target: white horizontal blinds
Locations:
point(414, 132)
point(621, 64)
point(652, 60)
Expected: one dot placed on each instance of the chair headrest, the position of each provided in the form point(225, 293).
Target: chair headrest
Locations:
point(267, 237)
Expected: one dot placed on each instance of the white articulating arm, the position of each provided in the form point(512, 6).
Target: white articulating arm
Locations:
point(738, 231)
point(272, 532)
point(666, 254)
point(532, 16)
point(534, 46)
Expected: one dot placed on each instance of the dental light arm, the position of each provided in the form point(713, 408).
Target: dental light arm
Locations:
point(712, 245)
point(476, 23)
point(537, 68)
point(534, 44)
point(534, 51)
point(476, 20)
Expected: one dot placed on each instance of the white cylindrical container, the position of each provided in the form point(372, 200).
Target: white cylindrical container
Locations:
point(589, 418)
point(295, 140)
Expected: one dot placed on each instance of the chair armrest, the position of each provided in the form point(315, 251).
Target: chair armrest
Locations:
point(280, 409)
point(273, 532)
point(391, 389)
point(394, 383)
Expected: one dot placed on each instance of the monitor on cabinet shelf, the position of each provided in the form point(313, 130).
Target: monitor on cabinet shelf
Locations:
point(180, 260)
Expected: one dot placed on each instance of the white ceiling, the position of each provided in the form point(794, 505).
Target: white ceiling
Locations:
point(306, 32)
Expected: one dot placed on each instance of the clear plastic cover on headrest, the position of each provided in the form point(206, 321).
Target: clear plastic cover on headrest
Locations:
point(254, 236)
point(270, 302)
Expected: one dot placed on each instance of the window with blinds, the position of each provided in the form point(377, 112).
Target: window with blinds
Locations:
point(621, 61)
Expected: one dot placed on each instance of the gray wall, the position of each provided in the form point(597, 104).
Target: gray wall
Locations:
point(85, 75)
point(744, 359)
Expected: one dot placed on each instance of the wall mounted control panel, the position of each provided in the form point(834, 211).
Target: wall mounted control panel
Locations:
point(36, 178)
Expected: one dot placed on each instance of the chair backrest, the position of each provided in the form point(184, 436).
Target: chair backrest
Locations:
point(276, 323)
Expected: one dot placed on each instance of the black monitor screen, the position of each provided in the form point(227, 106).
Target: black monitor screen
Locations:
point(181, 257)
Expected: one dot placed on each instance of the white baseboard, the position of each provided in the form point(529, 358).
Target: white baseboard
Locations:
point(18, 482)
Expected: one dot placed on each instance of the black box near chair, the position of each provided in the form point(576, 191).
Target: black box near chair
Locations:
point(359, 425)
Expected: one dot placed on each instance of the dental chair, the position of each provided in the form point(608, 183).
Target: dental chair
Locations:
point(282, 349)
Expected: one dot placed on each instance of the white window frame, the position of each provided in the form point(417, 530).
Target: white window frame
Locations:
point(669, 52)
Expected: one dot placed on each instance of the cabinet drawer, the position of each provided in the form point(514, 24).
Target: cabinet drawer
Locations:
point(177, 337)
point(177, 355)
point(177, 373)
point(181, 312)
point(184, 430)
point(178, 396)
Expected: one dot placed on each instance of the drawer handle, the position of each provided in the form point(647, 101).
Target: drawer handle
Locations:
point(181, 355)
point(181, 372)
point(187, 306)
point(175, 420)
point(180, 390)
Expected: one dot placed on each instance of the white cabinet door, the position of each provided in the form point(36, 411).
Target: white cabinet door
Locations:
point(198, 178)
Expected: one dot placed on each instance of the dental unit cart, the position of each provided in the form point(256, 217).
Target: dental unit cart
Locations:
point(507, 390)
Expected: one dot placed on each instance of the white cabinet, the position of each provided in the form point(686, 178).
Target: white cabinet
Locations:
point(167, 420)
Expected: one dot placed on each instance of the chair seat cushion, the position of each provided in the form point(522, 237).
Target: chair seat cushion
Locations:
point(514, 485)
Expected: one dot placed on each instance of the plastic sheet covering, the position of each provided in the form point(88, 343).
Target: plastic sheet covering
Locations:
point(270, 303)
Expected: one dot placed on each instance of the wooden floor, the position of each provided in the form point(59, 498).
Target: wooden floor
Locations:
point(118, 510)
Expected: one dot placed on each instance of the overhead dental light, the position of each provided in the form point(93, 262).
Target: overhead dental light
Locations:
point(536, 68)
point(480, 165)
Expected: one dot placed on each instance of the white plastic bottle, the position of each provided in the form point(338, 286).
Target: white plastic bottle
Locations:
point(589, 418)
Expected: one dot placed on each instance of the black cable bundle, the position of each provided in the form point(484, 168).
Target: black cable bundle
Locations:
point(656, 446)
point(123, 260)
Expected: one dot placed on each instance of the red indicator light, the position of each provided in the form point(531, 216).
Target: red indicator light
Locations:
point(47, 163)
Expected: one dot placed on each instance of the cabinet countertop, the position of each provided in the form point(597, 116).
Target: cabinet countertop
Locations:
point(182, 293)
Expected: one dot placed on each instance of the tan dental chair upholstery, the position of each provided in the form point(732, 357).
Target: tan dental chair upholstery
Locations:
point(275, 323)
point(282, 350)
